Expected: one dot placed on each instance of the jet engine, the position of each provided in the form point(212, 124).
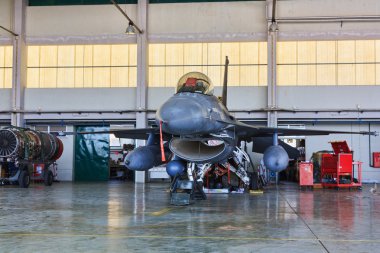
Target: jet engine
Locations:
point(27, 144)
point(276, 158)
point(200, 150)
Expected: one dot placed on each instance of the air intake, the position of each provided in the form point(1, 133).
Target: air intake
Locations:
point(200, 150)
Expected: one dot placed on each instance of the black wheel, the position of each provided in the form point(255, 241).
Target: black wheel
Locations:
point(24, 179)
point(48, 178)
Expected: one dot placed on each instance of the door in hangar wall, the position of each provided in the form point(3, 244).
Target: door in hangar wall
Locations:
point(92, 152)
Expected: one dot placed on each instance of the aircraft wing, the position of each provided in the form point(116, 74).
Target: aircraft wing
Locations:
point(138, 133)
point(246, 132)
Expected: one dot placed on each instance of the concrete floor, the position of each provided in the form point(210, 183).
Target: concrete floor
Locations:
point(123, 217)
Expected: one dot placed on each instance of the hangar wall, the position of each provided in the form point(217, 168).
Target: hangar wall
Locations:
point(295, 8)
point(84, 20)
point(5, 20)
point(80, 99)
point(240, 98)
point(5, 99)
point(209, 21)
point(173, 21)
point(299, 11)
point(333, 97)
point(120, 99)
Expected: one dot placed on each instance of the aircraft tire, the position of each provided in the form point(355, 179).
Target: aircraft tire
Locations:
point(24, 179)
point(48, 178)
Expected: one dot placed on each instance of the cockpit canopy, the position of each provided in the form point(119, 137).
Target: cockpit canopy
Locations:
point(195, 82)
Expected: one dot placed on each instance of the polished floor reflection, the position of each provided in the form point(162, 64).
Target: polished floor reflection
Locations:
point(124, 217)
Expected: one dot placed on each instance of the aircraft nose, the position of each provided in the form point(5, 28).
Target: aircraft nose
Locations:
point(182, 115)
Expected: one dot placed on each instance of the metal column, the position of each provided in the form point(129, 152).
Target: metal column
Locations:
point(142, 76)
point(19, 62)
point(272, 75)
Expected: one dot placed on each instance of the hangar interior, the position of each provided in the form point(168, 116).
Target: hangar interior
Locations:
point(72, 66)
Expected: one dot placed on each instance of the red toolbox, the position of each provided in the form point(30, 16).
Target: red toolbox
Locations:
point(338, 169)
point(306, 174)
point(376, 159)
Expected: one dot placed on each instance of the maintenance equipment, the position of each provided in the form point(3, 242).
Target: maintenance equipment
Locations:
point(22, 151)
point(306, 174)
point(338, 169)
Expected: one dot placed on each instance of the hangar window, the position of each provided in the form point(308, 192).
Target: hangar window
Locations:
point(344, 62)
point(6, 58)
point(82, 66)
point(48, 128)
point(248, 62)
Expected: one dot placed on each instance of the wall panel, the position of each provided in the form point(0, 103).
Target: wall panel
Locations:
point(249, 75)
point(119, 76)
point(346, 74)
point(48, 77)
point(346, 51)
point(247, 62)
point(157, 57)
point(307, 75)
point(65, 78)
point(365, 74)
point(78, 66)
point(6, 58)
point(326, 74)
point(287, 75)
point(343, 62)
point(2, 78)
point(326, 51)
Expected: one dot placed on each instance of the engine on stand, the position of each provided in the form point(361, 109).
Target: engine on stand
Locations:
point(23, 151)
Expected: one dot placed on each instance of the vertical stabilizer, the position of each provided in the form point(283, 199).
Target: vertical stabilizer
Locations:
point(225, 80)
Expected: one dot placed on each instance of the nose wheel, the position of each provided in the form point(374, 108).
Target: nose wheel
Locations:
point(183, 190)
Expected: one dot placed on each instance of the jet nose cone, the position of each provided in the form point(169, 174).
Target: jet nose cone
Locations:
point(182, 115)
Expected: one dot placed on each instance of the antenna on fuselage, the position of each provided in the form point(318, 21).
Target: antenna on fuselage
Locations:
point(225, 80)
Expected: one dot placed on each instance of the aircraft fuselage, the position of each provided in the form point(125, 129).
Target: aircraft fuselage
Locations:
point(197, 122)
point(194, 114)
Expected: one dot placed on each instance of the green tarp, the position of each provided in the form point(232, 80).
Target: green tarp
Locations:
point(92, 152)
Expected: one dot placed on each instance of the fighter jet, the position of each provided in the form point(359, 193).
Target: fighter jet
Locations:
point(195, 130)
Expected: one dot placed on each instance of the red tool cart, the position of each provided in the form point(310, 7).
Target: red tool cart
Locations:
point(306, 174)
point(338, 169)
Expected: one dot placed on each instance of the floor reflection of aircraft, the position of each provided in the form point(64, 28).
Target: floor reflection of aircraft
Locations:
point(199, 131)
